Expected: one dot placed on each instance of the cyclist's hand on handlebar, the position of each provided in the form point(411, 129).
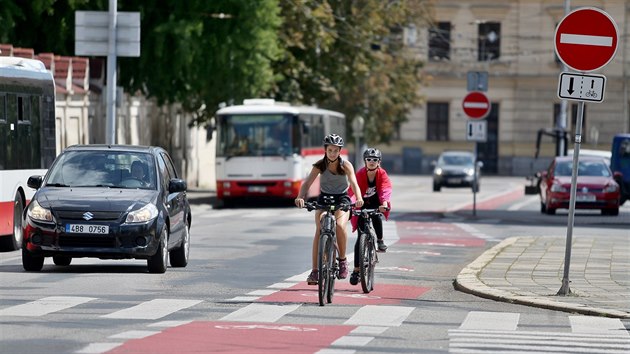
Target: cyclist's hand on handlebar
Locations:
point(383, 209)
point(358, 203)
point(299, 202)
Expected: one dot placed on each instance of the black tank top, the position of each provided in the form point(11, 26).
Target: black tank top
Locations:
point(370, 197)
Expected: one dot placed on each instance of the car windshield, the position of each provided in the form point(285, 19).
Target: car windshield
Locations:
point(457, 160)
point(587, 168)
point(95, 168)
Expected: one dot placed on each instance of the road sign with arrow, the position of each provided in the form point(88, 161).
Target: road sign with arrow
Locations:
point(581, 87)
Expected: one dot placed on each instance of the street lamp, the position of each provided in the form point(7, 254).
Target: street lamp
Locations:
point(358, 123)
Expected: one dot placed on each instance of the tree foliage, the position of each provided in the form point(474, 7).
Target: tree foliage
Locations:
point(343, 55)
point(348, 56)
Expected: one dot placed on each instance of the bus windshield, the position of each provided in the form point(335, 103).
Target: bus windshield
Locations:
point(256, 135)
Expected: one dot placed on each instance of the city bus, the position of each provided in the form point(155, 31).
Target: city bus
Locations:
point(27, 133)
point(266, 148)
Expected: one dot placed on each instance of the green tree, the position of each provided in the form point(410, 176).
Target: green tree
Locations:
point(348, 56)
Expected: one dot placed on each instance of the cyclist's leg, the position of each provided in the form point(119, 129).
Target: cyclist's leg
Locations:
point(312, 278)
point(342, 239)
point(377, 223)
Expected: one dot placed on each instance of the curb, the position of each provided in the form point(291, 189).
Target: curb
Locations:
point(468, 281)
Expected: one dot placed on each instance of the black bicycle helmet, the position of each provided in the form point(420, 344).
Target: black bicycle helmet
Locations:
point(333, 139)
point(372, 152)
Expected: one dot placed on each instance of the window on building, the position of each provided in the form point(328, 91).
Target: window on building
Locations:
point(489, 41)
point(437, 121)
point(440, 41)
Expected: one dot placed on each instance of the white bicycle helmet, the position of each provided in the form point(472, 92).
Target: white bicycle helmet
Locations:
point(333, 139)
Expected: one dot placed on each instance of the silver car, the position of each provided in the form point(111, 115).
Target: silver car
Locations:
point(456, 169)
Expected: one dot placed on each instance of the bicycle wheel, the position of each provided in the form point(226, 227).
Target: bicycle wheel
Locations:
point(324, 268)
point(334, 269)
point(364, 263)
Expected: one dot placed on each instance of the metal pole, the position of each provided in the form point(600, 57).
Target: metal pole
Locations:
point(111, 75)
point(565, 289)
point(474, 188)
point(562, 123)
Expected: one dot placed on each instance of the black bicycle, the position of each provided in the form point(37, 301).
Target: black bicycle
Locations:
point(327, 252)
point(368, 256)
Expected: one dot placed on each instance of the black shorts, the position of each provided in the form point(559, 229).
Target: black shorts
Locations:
point(325, 198)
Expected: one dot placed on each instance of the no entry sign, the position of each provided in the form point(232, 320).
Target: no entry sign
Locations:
point(476, 105)
point(586, 39)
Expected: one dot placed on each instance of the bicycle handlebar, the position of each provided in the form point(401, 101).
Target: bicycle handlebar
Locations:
point(310, 206)
point(359, 212)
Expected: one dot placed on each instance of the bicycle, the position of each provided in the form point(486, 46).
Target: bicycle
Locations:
point(368, 256)
point(326, 255)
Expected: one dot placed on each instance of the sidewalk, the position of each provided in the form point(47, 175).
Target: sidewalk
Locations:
point(529, 271)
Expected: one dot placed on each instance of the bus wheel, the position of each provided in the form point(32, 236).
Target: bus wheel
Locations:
point(14, 242)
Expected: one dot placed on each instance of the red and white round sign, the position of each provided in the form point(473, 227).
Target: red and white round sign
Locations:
point(476, 105)
point(586, 39)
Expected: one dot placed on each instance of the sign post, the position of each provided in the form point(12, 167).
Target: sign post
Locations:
point(110, 34)
point(477, 106)
point(585, 40)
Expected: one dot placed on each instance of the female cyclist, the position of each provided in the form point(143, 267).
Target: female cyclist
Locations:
point(336, 175)
point(376, 190)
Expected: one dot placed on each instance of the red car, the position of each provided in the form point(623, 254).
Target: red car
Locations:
point(596, 186)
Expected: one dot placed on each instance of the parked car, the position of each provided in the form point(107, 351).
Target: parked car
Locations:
point(596, 187)
point(108, 202)
point(456, 169)
point(606, 155)
point(620, 163)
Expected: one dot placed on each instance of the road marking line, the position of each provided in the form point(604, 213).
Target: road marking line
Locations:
point(98, 348)
point(601, 41)
point(527, 200)
point(490, 320)
point(133, 334)
point(45, 306)
point(262, 292)
point(154, 309)
point(168, 324)
point(260, 313)
point(378, 315)
point(593, 324)
point(374, 330)
point(243, 299)
point(352, 341)
point(336, 351)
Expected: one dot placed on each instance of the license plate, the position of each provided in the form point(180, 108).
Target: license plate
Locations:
point(455, 180)
point(585, 197)
point(257, 189)
point(87, 229)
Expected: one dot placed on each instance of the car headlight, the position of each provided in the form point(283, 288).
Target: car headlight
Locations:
point(39, 213)
point(143, 214)
point(558, 188)
point(611, 188)
point(469, 171)
point(437, 171)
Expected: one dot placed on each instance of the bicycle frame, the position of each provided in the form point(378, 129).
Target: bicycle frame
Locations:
point(368, 256)
point(327, 249)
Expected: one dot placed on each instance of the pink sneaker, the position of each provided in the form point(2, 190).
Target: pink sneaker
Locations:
point(343, 268)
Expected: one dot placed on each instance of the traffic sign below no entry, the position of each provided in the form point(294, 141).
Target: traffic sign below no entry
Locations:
point(586, 39)
point(476, 105)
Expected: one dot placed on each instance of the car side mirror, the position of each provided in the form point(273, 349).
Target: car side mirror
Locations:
point(177, 185)
point(34, 182)
point(618, 176)
point(479, 164)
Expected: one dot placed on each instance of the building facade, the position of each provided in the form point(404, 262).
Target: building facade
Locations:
point(513, 42)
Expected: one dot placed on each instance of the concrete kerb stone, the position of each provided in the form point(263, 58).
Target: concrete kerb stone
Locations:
point(468, 281)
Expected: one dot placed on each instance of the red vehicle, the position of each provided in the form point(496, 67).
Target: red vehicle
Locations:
point(596, 187)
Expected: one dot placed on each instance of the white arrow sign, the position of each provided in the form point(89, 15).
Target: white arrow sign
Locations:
point(581, 87)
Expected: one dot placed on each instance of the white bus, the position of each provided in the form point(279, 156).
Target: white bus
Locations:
point(27, 133)
point(267, 148)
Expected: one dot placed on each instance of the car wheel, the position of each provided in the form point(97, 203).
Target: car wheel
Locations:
point(436, 187)
point(31, 262)
point(551, 211)
point(62, 260)
point(179, 256)
point(543, 207)
point(157, 263)
point(612, 212)
point(15, 241)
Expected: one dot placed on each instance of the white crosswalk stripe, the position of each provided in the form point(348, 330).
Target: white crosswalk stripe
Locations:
point(154, 309)
point(44, 306)
point(497, 332)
